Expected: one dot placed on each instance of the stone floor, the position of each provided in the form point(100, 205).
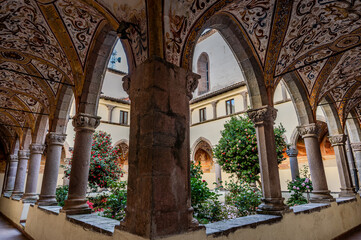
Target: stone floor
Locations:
point(8, 231)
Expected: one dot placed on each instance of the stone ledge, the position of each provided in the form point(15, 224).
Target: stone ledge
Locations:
point(226, 227)
point(343, 200)
point(95, 223)
point(51, 209)
point(309, 208)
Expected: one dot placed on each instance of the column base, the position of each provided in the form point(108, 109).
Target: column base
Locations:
point(30, 198)
point(76, 206)
point(347, 192)
point(7, 194)
point(321, 197)
point(17, 195)
point(47, 200)
point(272, 206)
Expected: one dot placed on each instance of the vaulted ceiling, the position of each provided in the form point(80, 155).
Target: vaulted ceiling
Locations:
point(45, 44)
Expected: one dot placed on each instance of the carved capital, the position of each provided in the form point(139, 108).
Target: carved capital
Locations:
point(309, 130)
point(37, 148)
point(356, 146)
point(263, 115)
point(24, 154)
point(126, 84)
point(110, 107)
point(337, 140)
point(292, 152)
point(14, 158)
point(214, 103)
point(192, 83)
point(84, 121)
point(54, 138)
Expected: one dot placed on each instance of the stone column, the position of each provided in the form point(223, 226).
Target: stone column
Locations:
point(352, 166)
point(218, 171)
point(320, 191)
point(21, 173)
point(84, 127)
point(272, 201)
point(214, 105)
point(36, 151)
point(110, 112)
point(55, 142)
point(338, 144)
point(158, 202)
point(292, 154)
point(10, 183)
point(245, 104)
point(356, 147)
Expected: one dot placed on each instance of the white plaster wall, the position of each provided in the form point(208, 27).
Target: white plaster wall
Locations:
point(220, 58)
point(287, 116)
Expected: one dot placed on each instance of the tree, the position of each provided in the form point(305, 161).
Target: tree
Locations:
point(104, 165)
point(237, 150)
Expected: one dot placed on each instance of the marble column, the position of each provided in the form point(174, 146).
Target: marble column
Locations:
point(356, 147)
point(272, 201)
point(55, 142)
point(214, 105)
point(36, 151)
point(338, 144)
point(110, 112)
point(245, 104)
point(21, 173)
point(218, 171)
point(10, 183)
point(292, 154)
point(84, 127)
point(158, 202)
point(320, 191)
point(352, 166)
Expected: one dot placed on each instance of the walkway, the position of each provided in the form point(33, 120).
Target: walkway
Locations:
point(8, 231)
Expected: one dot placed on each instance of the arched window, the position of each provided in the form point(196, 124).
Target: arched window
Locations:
point(203, 70)
point(203, 155)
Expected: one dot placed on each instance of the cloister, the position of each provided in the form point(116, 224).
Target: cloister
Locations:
point(55, 51)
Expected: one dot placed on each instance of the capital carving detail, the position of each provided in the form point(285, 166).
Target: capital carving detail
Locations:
point(24, 154)
point(265, 114)
point(356, 147)
point(192, 83)
point(309, 130)
point(54, 138)
point(83, 121)
point(126, 83)
point(14, 158)
point(37, 148)
point(337, 140)
point(292, 152)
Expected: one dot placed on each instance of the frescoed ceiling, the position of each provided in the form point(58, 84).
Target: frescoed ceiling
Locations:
point(45, 44)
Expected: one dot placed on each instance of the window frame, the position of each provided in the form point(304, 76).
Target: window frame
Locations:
point(203, 114)
point(123, 117)
point(231, 109)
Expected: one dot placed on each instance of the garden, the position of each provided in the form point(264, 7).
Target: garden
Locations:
point(236, 153)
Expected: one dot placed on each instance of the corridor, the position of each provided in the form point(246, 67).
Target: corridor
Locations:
point(8, 231)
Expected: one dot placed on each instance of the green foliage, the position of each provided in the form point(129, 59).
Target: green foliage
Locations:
point(104, 165)
point(206, 206)
point(244, 197)
point(237, 150)
point(298, 187)
point(61, 194)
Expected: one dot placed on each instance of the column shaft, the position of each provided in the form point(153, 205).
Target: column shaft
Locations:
point(159, 151)
point(21, 173)
point(218, 171)
point(356, 147)
point(272, 201)
point(84, 126)
point(10, 183)
point(36, 151)
point(292, 154)
point(320, 191)
point(352, 166)
point(55, 142)
point(338, 143)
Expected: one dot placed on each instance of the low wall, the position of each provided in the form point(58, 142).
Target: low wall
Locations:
point(311, 221)
point(14, 210)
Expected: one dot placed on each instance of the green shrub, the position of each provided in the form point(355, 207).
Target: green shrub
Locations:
point(61, 194)
point(298, 187)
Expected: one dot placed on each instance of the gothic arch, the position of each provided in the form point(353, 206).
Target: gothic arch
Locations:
point(353, 128)
point(203, 71)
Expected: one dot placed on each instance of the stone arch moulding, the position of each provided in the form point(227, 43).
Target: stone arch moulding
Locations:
point(234, 36)
point(353, 128)
point(332, 119)
point(196, 146)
